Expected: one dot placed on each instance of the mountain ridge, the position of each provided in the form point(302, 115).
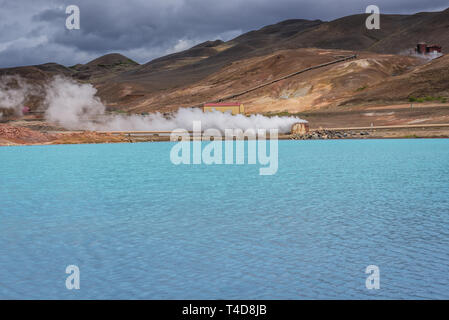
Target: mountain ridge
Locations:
point(201, 73)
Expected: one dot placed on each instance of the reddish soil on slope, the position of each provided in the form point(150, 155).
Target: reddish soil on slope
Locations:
point(19, 135)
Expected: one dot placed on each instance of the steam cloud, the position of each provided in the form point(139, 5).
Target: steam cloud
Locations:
point(75, 106)
point(13, 93)
point(429, 56)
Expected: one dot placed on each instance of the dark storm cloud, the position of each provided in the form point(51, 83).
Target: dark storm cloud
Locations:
point(34, 32)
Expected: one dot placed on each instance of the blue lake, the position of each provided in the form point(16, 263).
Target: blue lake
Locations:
point(139, 227)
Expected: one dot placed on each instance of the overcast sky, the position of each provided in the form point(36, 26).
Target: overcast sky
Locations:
point(34, 31)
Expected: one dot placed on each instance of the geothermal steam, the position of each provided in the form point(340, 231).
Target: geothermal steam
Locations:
point(13, 93)
point(75, 106)
point(429, 56)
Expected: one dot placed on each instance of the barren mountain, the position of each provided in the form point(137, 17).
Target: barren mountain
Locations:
point(106, 66)
point(430, 80)
point(325, 87)
point(214, 69)
point(103, 67)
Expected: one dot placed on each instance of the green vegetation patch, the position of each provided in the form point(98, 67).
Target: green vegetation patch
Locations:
point(427, 99)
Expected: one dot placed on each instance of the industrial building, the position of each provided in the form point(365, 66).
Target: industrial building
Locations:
point(423, 48)
point(233, 107)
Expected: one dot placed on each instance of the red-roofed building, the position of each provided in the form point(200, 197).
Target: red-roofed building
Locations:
point(423, 48)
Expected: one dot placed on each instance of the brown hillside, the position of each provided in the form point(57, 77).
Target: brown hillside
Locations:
point(430, 80)
point(325, 87)
point(215, 69)
point(148, 86)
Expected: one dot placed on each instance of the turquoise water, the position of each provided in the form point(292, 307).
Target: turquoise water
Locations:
point(139, 227)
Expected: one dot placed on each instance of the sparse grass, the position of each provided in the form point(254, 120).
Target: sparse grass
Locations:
point(120, 111)
point(411, 136)
point(280, 114)
point(283, 114)
point(427, 99)
point(361, 88)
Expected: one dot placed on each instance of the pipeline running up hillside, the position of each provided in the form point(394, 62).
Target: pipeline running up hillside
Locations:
point(277, 80)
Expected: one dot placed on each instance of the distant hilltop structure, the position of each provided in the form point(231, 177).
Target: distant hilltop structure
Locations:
point(233, 107)
point(424, 48)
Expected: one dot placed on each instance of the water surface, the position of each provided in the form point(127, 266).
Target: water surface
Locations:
point(139, 227)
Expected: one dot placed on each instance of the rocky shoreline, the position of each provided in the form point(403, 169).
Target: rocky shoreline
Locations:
point(330, 134)
point(16, 136)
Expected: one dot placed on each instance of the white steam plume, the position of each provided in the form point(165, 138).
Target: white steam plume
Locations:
point(13, 93)
point(71, 104)
point(75, 106)
point(428, 56)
